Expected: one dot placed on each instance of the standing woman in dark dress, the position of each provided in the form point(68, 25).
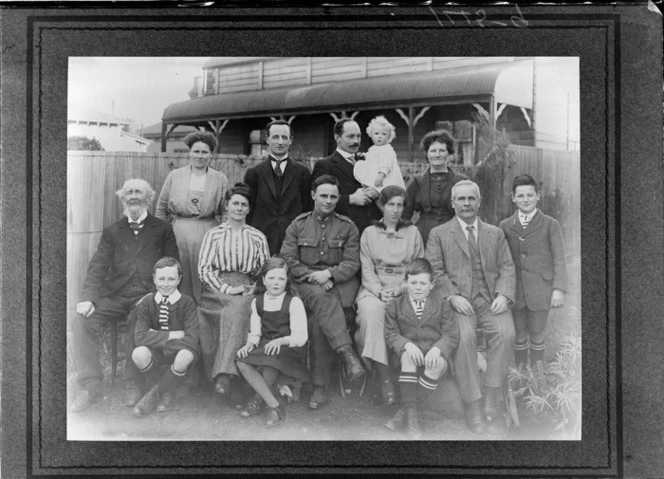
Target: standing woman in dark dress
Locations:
point(192, 199)
point(430, 194)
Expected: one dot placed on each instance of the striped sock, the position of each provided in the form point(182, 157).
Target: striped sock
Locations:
point(425, 387)
point(536, 352)
point(408, 388)
point(521, 353)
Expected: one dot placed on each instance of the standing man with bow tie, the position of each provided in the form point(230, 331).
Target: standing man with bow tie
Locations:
point(119, 275)
point(355, 201)
point(475, 273)
point(280, 187)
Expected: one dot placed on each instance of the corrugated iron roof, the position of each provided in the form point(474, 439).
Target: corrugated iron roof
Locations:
point(471, 81)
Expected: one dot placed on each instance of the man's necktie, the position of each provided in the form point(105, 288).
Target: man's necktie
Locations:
point(277, 169)
point(524, 221)
point(163, 314)
point(136, 227)
point(471, 238)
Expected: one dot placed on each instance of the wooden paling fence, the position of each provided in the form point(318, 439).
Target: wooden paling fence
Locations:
point(93, 177)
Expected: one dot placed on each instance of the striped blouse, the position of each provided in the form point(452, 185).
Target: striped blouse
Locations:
point(224, 250)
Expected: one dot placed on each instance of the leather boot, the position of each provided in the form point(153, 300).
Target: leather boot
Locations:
point(474, 417)
point(413, 421)
point(318, 398)
point(353, 366)
point(147, 404)
point(398, 421)
point(491, 409)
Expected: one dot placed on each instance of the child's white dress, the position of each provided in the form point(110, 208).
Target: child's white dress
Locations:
point(379, 159)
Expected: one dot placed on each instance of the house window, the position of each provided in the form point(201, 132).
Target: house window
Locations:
point(256, 143)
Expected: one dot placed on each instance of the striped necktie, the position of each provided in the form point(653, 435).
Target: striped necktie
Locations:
point(471, 238)
point(163, 314)
point(525, 220)
point(419, 307)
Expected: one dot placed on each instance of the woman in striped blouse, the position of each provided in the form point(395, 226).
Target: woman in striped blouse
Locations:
point(231, 255)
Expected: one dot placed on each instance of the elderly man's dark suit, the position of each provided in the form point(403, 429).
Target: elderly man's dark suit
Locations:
point(449, 253)
point(119, 275)
point(336, 165)
point(274, 206)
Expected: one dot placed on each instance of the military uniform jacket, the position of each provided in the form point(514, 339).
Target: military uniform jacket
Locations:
point(121, 253)
point(437, 326)
point(316, 242)
point(539, 257)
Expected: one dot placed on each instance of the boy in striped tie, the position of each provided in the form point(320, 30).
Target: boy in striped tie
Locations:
point(420, 328)
point(166, 334)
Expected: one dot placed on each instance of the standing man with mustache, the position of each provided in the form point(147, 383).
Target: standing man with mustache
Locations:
point(119, 275)
point(475, 273)
point(355, 201)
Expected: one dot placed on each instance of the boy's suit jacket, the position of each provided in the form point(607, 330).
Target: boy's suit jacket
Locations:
point(337, 166)
point(272, 212)
point(449, 253)
point(539, 256)
point(120, 253)
point(437, 327)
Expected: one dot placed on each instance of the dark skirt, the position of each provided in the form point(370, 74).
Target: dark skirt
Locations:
point(289, 361)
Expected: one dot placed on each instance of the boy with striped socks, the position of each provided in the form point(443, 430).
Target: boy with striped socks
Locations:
point(421, 330)
point(166, 334)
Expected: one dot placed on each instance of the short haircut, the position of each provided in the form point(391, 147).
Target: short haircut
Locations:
point(466, 183)
point(269, 264)
point(419, 266)
point(339, 125)
point(440, 136)
point(278, 122)
point(380, 120)
point(150, 193)
point(324, 180)
point(241, 189)
point(524, 180)
point(166, 262)
point(202, 136)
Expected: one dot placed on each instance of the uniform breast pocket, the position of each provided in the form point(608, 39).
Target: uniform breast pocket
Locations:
point(335, 250)
point(308, 249)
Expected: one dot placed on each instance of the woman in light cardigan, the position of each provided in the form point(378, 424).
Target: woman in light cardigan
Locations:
point(385, 250)
point(192, 199)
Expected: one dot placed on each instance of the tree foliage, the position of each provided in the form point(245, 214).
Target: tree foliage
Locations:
point(83, 143)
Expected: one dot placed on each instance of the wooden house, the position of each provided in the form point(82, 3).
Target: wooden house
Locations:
point(237, 96)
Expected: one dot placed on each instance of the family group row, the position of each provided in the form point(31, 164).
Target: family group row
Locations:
point(321, 244)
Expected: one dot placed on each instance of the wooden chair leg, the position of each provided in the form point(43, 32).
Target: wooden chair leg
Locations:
point(114, 350)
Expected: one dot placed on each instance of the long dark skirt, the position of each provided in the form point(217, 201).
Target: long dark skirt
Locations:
point(289, 361)
point(224, 326)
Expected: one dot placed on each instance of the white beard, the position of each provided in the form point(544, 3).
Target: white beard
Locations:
point(134, 211)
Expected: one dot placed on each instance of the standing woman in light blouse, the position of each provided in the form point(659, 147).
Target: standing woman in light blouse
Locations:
point(192, 199)
point(386, 248)
point(231, 256)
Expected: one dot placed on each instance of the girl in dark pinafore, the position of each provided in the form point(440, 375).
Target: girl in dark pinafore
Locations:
point(276, 340)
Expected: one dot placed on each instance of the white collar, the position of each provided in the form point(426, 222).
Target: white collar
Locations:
point(413, 301)
point(273, 159)
point(527, 217)
point(140, 218)
point(173, 298)
point(350, 157)
point(465, 225)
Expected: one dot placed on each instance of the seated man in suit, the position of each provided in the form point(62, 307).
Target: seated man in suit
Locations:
point(355, 201)
point(322, 249)
point(119, 275)
point(475, 273)
point(280, 187)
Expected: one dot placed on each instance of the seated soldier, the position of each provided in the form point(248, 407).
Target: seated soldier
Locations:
point(322, 250)
point(166, 334)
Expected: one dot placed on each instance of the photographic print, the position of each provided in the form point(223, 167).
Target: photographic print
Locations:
point(498, 118)
point(390, 240)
